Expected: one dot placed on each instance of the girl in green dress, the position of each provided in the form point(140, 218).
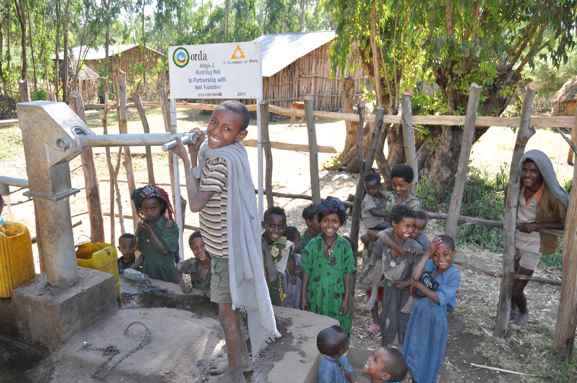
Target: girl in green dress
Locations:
point(328, 265)
point(156, 233)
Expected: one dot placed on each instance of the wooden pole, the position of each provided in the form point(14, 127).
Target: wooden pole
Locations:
point(146, 128)
point(365, 166)
point(510, 218)
point(165, 108)
point(313, 149)
point(463, 165)
point(109, 165)
point(360, 189)
point(24, 91)
point(90, 178)
point(114, 178)
point(266, 144)
point(409, 137)
point(123, 128)
point(567, 316)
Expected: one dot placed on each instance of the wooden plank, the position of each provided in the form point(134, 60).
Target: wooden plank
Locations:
point(291, 147)
point(463, 165)
point(90, 178)
point(123, 128)
point(266, 145)
point(313, 149)
point(567, 316)
point(409, 138)
point(510, 219)
point(146, 128)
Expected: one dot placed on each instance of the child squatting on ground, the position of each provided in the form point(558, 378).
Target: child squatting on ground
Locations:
point(435, 283)
point(276, 251)
point(156, 233)
point(220, 188)
point(328, 265)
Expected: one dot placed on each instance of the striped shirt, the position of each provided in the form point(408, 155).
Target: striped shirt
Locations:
point(213, 216)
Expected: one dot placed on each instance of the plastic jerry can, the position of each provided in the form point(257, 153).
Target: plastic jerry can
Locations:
point(99, 256)
point(16, 259)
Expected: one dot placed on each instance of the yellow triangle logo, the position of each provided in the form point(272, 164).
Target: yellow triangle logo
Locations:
point(237, 54)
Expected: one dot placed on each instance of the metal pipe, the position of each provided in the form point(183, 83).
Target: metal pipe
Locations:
point(149, 139)
point(11, 181)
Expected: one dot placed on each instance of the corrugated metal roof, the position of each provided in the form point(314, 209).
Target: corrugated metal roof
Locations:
point(100, 54)
point(279, 51)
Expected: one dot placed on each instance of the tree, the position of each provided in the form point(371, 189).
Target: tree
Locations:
point(22, 13)
point(457, 43)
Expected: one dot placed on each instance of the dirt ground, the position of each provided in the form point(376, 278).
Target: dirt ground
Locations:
point(526, 352)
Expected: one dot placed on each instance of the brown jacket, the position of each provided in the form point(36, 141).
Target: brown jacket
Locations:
point(549, 209)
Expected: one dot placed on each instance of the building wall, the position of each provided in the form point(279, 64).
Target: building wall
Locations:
point(309, 75)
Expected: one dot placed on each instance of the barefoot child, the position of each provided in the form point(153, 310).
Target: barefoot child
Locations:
point(230, 227)
point(328, 265)
point(156, 233)
point(127, 247)
point(394, 258)
point(198, 268)
point(386, 365)
point(313, 227)
point(437, 280)
point(276, 251)
point(334, 366)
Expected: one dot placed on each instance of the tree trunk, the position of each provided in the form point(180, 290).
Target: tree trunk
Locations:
point(30, 40)
point(4, 90)
point(57, 52)
point(21, 13)
point(66, 65)
point(303, 7)
point(226, 18)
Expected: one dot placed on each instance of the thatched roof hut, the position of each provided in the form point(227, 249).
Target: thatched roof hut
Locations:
point(564, 102)
point(295, 65)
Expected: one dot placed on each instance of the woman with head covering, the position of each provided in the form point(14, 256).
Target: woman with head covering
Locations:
point(542, 206)
point(156, 233)
point(328, 265)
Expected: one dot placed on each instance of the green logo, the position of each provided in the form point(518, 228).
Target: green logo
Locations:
point(180, 57)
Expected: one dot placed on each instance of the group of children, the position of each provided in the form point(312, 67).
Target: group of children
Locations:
point(411, 279)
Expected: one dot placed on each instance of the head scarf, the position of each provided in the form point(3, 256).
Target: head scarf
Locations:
point(332, 205)
point(153, 191)
point(548, 173)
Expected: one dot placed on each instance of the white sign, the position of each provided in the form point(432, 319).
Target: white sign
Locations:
point(215, 71)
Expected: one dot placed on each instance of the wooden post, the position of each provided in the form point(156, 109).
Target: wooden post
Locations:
point(567, 316)
point(510, 218)
point(365, 166)
point(264, 118)
point(463, 165)
point(24, 91)
point(409, 137)
point(146, 127)
point(165, 108)
point(123, 128)
point(109, 165)
point(114, 178)
point(313, 149)
point(90, 178)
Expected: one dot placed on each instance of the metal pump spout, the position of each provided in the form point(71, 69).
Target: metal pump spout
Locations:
point(50, 134)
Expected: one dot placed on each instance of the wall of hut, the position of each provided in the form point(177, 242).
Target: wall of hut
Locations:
point(140, 65)
point(309, 75)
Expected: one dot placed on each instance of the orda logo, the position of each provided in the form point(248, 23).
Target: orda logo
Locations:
point(180, 57)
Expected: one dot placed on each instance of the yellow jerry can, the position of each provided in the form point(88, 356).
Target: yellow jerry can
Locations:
point(99, 256)
point(16, 259)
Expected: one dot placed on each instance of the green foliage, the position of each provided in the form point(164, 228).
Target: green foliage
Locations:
point(39, 94)
point(484, 197)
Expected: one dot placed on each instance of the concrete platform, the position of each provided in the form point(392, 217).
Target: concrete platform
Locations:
point(183, 346)
point(49, 316)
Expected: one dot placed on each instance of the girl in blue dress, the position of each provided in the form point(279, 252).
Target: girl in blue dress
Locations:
point(435, 281)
